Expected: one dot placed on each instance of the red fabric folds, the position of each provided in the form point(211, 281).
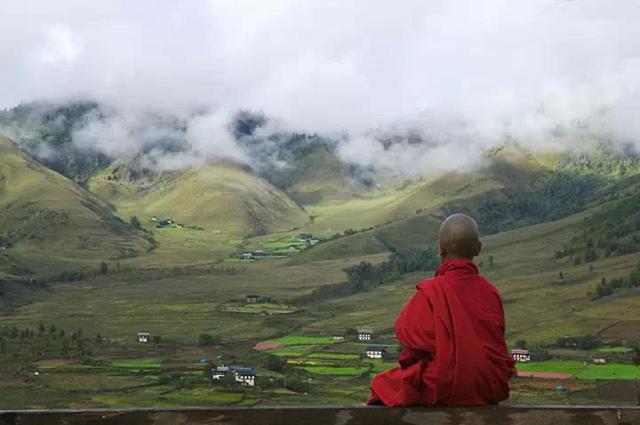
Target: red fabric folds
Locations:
point(452, 331)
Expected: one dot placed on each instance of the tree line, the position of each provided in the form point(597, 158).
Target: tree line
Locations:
point(364, 276)
point(608, 287)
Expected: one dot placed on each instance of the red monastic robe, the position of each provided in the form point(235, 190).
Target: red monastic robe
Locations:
point(452, 331)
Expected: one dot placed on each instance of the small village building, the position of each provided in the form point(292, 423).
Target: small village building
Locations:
point(364, 334)
point(219, 373)
point(337, 338)
point(243, 374)
point(144, 336)
point(599, 360)
point(376, 352)
point(247, 256)
point(521, 355)
point(252, 298)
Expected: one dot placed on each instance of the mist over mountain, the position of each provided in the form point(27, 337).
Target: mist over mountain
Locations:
point(167, 81)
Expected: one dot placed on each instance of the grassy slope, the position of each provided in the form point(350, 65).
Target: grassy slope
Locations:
point(319, 176)
point(539, 306)
point(216, 197)
point(52, 222)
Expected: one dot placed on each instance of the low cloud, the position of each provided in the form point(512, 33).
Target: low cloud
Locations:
point(462, 76)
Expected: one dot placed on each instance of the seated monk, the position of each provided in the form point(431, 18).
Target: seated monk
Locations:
point(452, 333)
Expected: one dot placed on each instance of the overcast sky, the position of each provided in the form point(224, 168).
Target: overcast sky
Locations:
point(336, 66)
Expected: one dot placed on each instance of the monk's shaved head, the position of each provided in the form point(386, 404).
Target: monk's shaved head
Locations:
point(459, 237)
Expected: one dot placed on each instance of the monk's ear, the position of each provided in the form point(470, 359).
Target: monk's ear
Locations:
point(478, 249)
point(441, 251)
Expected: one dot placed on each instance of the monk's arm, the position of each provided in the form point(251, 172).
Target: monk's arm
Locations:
point(504, 342)
point(414, 328)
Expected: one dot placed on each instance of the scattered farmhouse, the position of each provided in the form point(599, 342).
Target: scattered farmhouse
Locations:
point(219, 373)
point(337, 338)
point(143, 336)
point(252, 298)
point(521, 355)
point(165, 222)
point(364, 334)
point(599, 360)
point(242, 374)
point(307, 238)
point(247, 256)
point(376, 352)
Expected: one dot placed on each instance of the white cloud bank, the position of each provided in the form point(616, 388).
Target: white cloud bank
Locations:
point(464, 73)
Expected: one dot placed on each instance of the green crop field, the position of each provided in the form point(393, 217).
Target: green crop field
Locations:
point(150, 363)
point(337, 370)
point(333, 356)
point(610, 371)
point(302, 340)
point(614, 350)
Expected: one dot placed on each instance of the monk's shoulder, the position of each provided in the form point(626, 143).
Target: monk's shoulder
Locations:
point(429, 283)
point(490, 287)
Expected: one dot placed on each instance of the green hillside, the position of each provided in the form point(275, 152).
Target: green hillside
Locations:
point(48, 221)
point(222, 198)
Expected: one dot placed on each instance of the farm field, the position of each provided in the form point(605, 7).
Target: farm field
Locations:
point(610, 371)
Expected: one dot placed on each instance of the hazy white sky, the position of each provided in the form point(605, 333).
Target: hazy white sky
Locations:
point(336, 66)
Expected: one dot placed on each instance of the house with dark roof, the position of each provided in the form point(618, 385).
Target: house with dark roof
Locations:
point(376, 352)
point(243, 374)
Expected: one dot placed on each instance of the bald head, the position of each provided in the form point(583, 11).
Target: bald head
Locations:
point(459, 238)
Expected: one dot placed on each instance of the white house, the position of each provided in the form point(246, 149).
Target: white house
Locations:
point(599, 360)
point(376, 352)
point(364, 334)
point(244, 375)
point(252, 298)
point(337, 338)
point(219, 372)
point(247, 256)
point(521, 355)
point(143, 336)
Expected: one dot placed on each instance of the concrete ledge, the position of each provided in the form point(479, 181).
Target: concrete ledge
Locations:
point(360, 415)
